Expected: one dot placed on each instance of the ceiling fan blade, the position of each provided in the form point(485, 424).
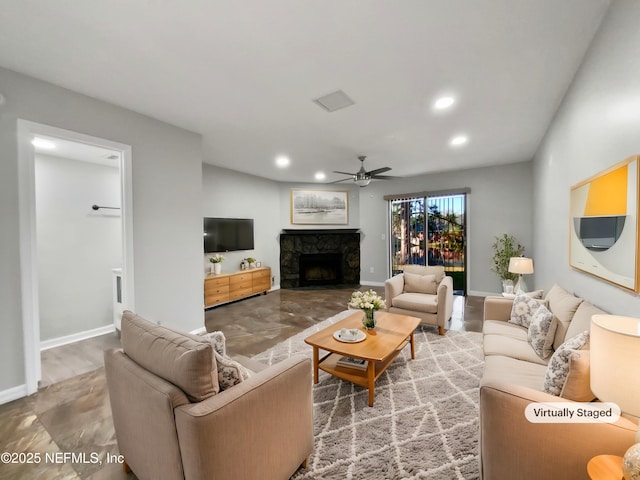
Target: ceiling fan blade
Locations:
point(338, 181)
point(344, 173)
point(383, 177)
point(379, 170)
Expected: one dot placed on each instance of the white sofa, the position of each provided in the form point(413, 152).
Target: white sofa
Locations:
point(421, 291)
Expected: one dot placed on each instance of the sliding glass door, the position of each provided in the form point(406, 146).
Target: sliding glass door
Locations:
point(430, 230)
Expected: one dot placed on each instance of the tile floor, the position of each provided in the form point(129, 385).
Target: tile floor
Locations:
point(73, 415)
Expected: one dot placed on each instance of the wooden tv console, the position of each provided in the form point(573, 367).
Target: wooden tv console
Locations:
point(227, 287)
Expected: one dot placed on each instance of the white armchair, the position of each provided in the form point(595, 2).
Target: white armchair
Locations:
point(421, 291)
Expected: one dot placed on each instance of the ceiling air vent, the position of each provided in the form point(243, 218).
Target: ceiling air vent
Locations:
point(334, 101)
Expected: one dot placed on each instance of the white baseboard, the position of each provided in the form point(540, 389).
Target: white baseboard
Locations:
point(372, 284)
point(12, 394)
point(76, 337)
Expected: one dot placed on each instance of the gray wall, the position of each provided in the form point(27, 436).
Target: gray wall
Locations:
point(499, 202)
point(227, 193)
point(237, 195)
point(597, 125)
point(76, 243)
point(167, 186)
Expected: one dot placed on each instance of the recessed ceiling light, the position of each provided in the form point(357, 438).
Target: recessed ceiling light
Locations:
point(282, 161)
point(43, 144)
point(443, 103)
point(320, 176)
point(459, 140)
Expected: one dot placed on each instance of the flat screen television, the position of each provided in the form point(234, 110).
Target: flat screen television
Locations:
point(227, 234)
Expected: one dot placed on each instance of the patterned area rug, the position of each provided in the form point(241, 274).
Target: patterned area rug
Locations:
point(424, 423)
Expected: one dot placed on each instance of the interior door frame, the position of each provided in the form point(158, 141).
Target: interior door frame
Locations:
point(26, 130)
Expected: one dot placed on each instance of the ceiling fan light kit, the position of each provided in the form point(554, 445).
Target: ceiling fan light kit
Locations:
point(362, 181)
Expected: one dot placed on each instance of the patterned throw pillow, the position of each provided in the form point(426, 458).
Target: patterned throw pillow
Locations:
point(230, 372)
point(218, 342)
point(558, 368)
point(523, 309)
point(537, 294)
point(542, 331)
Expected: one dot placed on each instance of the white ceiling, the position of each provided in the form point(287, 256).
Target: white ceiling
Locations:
point(244, 74)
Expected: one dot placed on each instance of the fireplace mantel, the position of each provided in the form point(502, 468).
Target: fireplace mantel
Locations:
point(320, 231)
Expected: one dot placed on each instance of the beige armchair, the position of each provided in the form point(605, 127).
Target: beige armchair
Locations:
point(421, 291)
point(170, 423)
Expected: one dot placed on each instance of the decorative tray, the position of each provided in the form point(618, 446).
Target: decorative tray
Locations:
point(349, 335)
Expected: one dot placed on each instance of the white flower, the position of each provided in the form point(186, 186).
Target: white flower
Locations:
point(217, 258)
point(367, 300)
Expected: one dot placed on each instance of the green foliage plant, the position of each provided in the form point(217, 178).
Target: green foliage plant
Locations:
point(504, 248)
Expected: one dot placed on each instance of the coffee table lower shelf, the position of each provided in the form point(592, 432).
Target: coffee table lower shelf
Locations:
point(364, 378)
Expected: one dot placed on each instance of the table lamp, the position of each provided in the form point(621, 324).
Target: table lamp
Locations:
point(520, 266)
point(615, 356)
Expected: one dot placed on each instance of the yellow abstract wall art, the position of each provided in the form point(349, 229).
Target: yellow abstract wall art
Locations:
point(603, 226)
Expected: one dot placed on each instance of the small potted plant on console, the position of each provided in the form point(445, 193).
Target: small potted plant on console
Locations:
point(216, 263)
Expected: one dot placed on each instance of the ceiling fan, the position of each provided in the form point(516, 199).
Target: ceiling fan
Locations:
point(362, 178)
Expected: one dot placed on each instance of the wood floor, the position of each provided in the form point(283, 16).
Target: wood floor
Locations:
point(71, 413)
point(67, 361)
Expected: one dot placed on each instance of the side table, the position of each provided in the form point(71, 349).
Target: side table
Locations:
point(605, 467)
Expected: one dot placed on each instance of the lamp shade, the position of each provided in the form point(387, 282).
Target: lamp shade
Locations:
point(615, 357)
point(521, 265)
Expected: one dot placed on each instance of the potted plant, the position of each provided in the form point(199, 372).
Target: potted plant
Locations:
point(216, 263)
point(504, 248)
point(251, 261)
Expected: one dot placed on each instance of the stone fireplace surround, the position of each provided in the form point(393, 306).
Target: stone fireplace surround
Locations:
point(342, 243)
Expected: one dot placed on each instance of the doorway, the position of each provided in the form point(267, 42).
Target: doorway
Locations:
point(430, 229)
point(35, 267)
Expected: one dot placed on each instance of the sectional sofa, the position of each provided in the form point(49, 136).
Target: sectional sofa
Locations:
point(515, 376)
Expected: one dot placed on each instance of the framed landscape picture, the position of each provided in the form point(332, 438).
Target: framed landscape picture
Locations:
point(603, 225)
point(319, 207)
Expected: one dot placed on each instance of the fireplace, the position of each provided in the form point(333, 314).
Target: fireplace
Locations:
point(320, 269)
point(319, 257)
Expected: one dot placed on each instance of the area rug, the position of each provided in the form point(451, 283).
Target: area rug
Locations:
point(424, 423)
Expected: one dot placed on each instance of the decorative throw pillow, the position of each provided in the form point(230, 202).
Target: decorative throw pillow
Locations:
point(230, 372)
point(542, 330)
point(537, 294)
point(218, 342)
point(558, 367)
point(577, 387)
point(414, 283)
point(436, 270)
point(523, 309)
